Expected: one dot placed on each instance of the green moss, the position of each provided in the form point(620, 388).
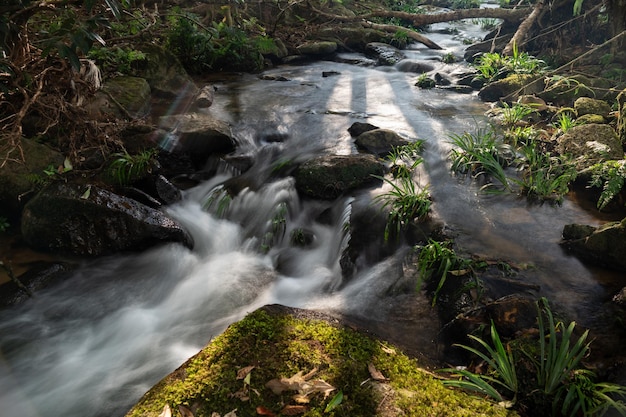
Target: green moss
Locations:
point(280, 345)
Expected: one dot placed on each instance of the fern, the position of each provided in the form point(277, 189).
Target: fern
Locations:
point(609, 175)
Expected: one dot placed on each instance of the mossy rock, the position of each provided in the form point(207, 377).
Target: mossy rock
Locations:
point(131, 96)
point(591, 118)
point(17, 178)
point(281, 342)
point(587, 105)
point(511, 87)
point(327, 177)
point(590, 144)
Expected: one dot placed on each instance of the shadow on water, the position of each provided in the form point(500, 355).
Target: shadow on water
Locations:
point(94, 344)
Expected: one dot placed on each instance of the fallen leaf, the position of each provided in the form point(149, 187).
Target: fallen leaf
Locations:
point(167, 412)
point(388, 350)
point(294, 410)
point(319, 385)
point(375, 373)
point(184, 411)
point(262, 411)
point(241, 395)
point(231, 414)
point(286, 384)
point(243, 372)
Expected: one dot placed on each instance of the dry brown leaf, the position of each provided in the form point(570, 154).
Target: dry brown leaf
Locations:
point(286, 384)
point(262, 411)
point(319, 385)
point(231, 414)
point(243, 372)
point(241, 395)
point(376, 374)
point(167, 412)
point(184, 411)
point(388, 350)
point(294, 410)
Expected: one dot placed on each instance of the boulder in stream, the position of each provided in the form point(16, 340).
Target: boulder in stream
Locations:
point(380, 141)
point(198, 135)
point(604, 245)
point(383, 53)
point(87, 220)
point(327, 177)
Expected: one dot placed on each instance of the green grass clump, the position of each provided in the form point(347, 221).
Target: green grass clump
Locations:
point(280, 345)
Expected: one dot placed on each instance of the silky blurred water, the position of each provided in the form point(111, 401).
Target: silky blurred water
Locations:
point(94, 344)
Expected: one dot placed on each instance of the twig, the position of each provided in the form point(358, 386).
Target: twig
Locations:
point(13, 278)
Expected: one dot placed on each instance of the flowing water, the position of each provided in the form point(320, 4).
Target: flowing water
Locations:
point(94, 344)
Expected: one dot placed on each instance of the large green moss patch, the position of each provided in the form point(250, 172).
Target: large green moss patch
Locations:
point(321, 367)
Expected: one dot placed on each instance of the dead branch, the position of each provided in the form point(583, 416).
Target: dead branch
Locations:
point(522, 31)
point(410, 33)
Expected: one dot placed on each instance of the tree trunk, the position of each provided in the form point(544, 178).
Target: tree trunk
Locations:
point(411, 34)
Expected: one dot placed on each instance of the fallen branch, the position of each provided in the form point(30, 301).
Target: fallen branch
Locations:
point(522, 31)
point(410, 33)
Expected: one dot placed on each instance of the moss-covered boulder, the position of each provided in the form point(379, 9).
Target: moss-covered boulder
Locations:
point(17, 177)
point(621, 117)
point(589, 144)
point(126, 97)
point(327, 177)
point(198, 135)
point(510, 88)
point(282, 361)
point(588, 105)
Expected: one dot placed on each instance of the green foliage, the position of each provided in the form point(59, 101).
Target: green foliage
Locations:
point(4, 224)
point(406, 201)
point(563, 85)
point(404, 159)
point(219, 47)
point(436, 261)
point(558, 380)
point(544, 177)
point(501, 362)
point(565, 120)
point(121, 60)
point(126, 168)
point(400, 39)
point(513, 114)
point(492, 65)
point(609, 175)
point(218, 201)
point(448, 58)
point(486, 23)
point(482, 155)
point(424, 81)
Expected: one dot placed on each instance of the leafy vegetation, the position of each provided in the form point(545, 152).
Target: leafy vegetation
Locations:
point(609, 176)
point(4, 224)
point(492, 66)
point(559, 380)
point(436, 261)
point(406, 201)
point(218, 47)
point(126, 168)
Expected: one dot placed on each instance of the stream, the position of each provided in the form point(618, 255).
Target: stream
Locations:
point(92, 345)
